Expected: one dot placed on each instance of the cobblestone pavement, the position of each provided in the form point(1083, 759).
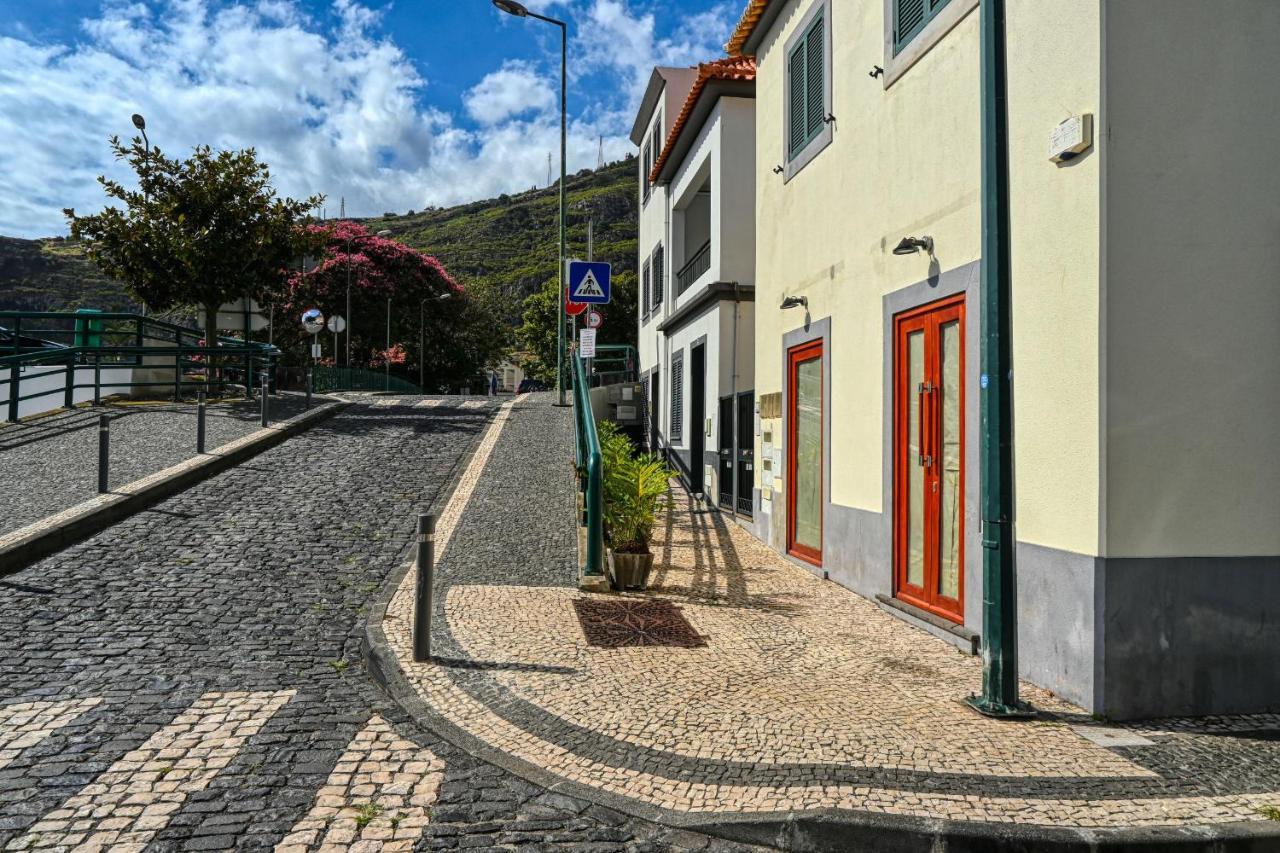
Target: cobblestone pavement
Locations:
point(54, 459)
point(800, 696)
point(190, 678)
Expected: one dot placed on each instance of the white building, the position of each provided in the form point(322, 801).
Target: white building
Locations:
point(697, 274)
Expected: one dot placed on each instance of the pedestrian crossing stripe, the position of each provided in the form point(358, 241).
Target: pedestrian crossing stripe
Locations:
point(27, 724)
point(588, 288)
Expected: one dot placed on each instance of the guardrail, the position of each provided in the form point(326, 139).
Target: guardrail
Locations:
point(358, 379)
point(693, 270)
point(107, 341)
point(590, 468)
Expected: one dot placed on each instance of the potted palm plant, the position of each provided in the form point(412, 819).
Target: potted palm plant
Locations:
point(636, 489)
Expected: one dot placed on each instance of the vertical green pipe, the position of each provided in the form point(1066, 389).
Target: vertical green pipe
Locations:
point(999, 598)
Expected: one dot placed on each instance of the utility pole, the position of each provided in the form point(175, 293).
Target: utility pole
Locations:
point(999, 579)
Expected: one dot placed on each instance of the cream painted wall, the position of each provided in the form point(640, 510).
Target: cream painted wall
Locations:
point(905, 161)
point(1193, 279)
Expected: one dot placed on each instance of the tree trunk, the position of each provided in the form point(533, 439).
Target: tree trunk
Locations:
point(212, 370)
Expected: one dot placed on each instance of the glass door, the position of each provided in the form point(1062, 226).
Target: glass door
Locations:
point(929, 458)
point(804, 483)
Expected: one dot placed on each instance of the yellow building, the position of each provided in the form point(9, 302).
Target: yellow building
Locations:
point(1146, 301)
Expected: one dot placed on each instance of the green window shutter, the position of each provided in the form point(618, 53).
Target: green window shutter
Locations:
point(910, 17)
point(645, 166)
point(796, 121)
point(659, 275)
point(815, 94)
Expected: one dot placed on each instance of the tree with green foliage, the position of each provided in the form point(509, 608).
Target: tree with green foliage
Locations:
point(537, 331)
point(206, 230)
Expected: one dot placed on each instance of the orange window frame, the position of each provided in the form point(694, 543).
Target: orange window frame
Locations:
point(796, 356)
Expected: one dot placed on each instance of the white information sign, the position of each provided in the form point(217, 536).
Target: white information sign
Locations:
point(587, 343)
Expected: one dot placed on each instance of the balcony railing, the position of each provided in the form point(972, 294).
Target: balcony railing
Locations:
point(693, 270)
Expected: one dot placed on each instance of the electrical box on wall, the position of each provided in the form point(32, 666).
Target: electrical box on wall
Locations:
point(1071, 138)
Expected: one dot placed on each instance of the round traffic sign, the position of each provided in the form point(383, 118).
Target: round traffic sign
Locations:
point(573, 309)
point(313, 321)
point(337, 324)
point(593, 320)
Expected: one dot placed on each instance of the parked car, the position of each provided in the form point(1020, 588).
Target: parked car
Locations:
point(527, 385)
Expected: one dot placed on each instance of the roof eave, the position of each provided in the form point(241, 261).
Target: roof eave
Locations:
point(751, 46)
point(712, 92)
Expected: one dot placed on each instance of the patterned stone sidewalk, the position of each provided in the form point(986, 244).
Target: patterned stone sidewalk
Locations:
point(741, 685)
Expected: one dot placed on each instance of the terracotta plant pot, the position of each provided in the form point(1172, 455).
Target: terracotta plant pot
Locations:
point(630, 571)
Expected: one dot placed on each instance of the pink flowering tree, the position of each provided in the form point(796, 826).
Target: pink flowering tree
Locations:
point(379, 270)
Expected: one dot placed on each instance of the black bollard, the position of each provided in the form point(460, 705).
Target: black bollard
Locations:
point(265, 416)
point(104, 451)
point(426, 581)
point(200, 424)
point(308, 386)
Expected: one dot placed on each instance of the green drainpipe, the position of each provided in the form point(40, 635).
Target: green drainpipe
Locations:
point(999, 581)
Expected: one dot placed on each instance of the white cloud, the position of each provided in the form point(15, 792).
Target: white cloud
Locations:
point(514, 89)
point(339, 112)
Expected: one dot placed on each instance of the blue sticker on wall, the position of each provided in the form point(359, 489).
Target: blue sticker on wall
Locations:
point(983, 380)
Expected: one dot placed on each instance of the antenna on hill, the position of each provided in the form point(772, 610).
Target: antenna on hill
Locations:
point(600, 158)
point(548, 168)
point(343, 208)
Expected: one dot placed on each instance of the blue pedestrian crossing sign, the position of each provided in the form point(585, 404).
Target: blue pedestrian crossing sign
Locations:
point(589, 282)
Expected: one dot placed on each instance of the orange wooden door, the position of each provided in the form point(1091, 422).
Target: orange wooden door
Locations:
point(929, 457)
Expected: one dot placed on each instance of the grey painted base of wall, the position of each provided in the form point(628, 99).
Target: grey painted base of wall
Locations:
point(1128, 638)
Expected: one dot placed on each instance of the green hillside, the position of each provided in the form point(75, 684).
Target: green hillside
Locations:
point(54, 275)
point(508, 246)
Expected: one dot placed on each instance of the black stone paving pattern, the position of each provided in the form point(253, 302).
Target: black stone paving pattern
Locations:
point(257, 579)
point(50, 464)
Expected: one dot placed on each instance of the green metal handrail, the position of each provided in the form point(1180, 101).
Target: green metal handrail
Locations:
point(590, 467)
point(187, 353)
point(327, 378)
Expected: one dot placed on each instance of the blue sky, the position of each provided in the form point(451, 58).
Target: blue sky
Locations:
point(394, 105)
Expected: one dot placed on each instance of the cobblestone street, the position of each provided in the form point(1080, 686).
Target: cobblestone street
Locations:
point(55, 457)
point(190, 678)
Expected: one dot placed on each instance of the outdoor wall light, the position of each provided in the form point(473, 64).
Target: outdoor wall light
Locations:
point(911, 245)
point(875, 72)
point(794, 302)
point(512, 8)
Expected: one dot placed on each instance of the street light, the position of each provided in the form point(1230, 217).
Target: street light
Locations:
point(422, 335)
point(141, 124)
point(511, 7)
point(386, 355)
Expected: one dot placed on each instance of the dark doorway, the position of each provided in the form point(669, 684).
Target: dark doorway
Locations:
point(655, 413)
point(746, 452)
point(726, 453)
point(697, 417)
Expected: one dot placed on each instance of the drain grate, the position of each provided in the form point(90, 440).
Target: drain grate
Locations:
point(619, 623)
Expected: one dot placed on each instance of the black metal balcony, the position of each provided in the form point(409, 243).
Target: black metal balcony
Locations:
point(697, 265)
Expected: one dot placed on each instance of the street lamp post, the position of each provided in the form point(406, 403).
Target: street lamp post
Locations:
point(141, 124)
point(422, 336)
point(511, 7)
point(386, 355)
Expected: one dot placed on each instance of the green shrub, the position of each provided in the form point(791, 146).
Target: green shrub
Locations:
point(636, 488)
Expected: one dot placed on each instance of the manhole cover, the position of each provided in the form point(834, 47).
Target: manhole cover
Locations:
point(617, 623)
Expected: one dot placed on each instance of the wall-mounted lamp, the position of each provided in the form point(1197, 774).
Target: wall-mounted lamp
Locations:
point(911, 245)
point(795, 302)
point(875, 72)
point(778, 170)
point(828, 118)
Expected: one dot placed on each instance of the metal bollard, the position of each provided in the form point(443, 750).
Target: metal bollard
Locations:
point(264, 398)
point(308, 386)
point(104, 451)
point(426, 581)
point(200, 424)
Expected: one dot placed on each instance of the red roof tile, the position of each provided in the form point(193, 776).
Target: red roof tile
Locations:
point(746, 26)
point(732, 68)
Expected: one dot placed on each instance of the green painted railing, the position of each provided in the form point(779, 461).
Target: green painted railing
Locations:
point(101, 341)
point(326, 379)
point(590, 468)
point(614, 363)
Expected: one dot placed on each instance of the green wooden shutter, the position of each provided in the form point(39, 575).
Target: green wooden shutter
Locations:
point(910, 17)
point(815, 85)
point(645, 166)
point(796, 121)
point(659, 275)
